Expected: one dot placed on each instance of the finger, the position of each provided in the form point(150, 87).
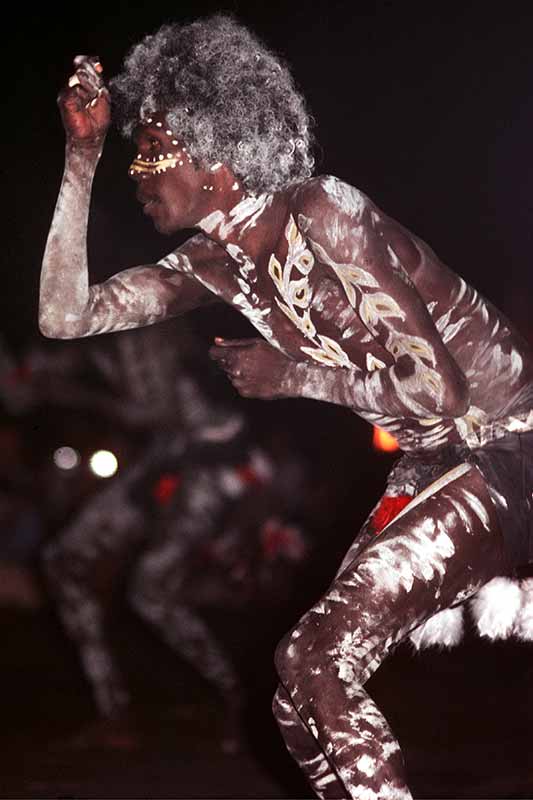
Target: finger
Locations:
point(82, 88)
point(91, 68)
point(218, 354)
point(235, 342)
point(89, 80)
point(73, 99)
point(91, 62)
point(87, 88)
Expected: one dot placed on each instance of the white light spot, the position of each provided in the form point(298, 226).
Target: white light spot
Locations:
point(103, 463)
point(66, 458)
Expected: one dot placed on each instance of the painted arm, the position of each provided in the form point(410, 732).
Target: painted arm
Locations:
point(68, 306)
point(350, 238)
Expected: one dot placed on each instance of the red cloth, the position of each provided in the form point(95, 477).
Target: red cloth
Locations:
point(389, 507)
point(279, 539)
point(248, 475)
point(166, 487)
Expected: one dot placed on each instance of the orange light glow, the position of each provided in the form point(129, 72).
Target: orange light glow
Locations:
point(384, 441)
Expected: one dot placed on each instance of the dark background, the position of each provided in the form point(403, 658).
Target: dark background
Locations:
point(427, 109)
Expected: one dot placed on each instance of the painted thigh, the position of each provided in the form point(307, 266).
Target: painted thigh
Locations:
point(436, 552)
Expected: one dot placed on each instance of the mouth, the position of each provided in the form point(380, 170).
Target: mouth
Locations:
point(149, 204)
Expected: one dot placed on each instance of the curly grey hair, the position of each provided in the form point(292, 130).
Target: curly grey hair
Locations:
point(225, 94)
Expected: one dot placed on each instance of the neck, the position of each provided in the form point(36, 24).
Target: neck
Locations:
point(252, 226)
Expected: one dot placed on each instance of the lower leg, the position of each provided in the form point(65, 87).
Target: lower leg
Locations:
point(304, 748)
point(446, 546)
point(82, 615)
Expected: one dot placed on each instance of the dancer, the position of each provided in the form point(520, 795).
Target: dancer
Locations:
point(199, 488)
point(352, 309)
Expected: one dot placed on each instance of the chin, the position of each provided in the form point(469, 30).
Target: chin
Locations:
point(166, 227)
point(160, 227)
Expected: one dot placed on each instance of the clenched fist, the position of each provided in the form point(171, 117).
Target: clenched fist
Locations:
point(84, 103)
point(255, 368)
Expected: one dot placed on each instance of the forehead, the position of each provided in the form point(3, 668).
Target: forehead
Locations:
point(156, 128)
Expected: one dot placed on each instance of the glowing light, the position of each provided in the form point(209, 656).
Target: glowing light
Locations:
point(66, 458)
point(384, 441)
point(103, 463)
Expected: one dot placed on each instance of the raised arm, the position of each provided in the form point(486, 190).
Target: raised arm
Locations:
point(369, 254)
point(68, 306)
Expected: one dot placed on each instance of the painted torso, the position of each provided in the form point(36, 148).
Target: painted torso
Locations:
point(308, 300)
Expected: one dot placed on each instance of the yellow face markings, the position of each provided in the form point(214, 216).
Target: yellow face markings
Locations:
point(142, 166)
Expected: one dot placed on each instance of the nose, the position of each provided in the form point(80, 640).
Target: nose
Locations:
point(140, 168)
point(137, 174)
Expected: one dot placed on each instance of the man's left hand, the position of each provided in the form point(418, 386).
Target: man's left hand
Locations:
point(255, 368)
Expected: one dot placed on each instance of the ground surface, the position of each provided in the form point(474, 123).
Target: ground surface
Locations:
point(464, 718)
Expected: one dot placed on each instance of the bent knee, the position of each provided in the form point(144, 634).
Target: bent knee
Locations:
point(305, 650)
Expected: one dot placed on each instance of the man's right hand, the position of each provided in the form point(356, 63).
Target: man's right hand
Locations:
point(85, 104)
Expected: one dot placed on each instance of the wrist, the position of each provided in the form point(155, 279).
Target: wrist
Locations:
point(293, 378)
point(89, 149)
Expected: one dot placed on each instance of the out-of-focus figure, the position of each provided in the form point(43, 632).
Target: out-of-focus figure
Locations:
point(201, 517)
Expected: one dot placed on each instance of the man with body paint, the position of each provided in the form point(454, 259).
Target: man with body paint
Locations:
point(352, 309)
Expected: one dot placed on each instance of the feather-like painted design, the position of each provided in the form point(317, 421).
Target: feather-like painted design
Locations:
point(304, 322)
point(378, 306)
point(275, 271)
point(414, 346)
point(350, 276)
point(297, 296)
point(330, 353)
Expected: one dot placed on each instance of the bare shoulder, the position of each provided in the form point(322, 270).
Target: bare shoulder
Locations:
point(340, 214)
point(199, 249)
point(326, 194)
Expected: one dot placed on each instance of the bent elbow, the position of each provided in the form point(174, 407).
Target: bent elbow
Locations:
point(456, 401)
point(54, 328)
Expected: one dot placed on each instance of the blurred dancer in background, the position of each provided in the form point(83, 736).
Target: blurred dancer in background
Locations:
point(192, 517)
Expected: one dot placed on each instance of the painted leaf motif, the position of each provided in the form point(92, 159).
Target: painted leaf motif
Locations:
point(432, 381)
point(419, 347)
point(299, 293)
point(335, 350)
point(303, 323)
point(373, 363)
point(275, 271)
point(348, 289)
point(414, 346)
point(308, 327)
point(356, 275)
point(304, 263)
point(292, 233)
point(330, 354)
point(321, 356)
point(379, 306)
